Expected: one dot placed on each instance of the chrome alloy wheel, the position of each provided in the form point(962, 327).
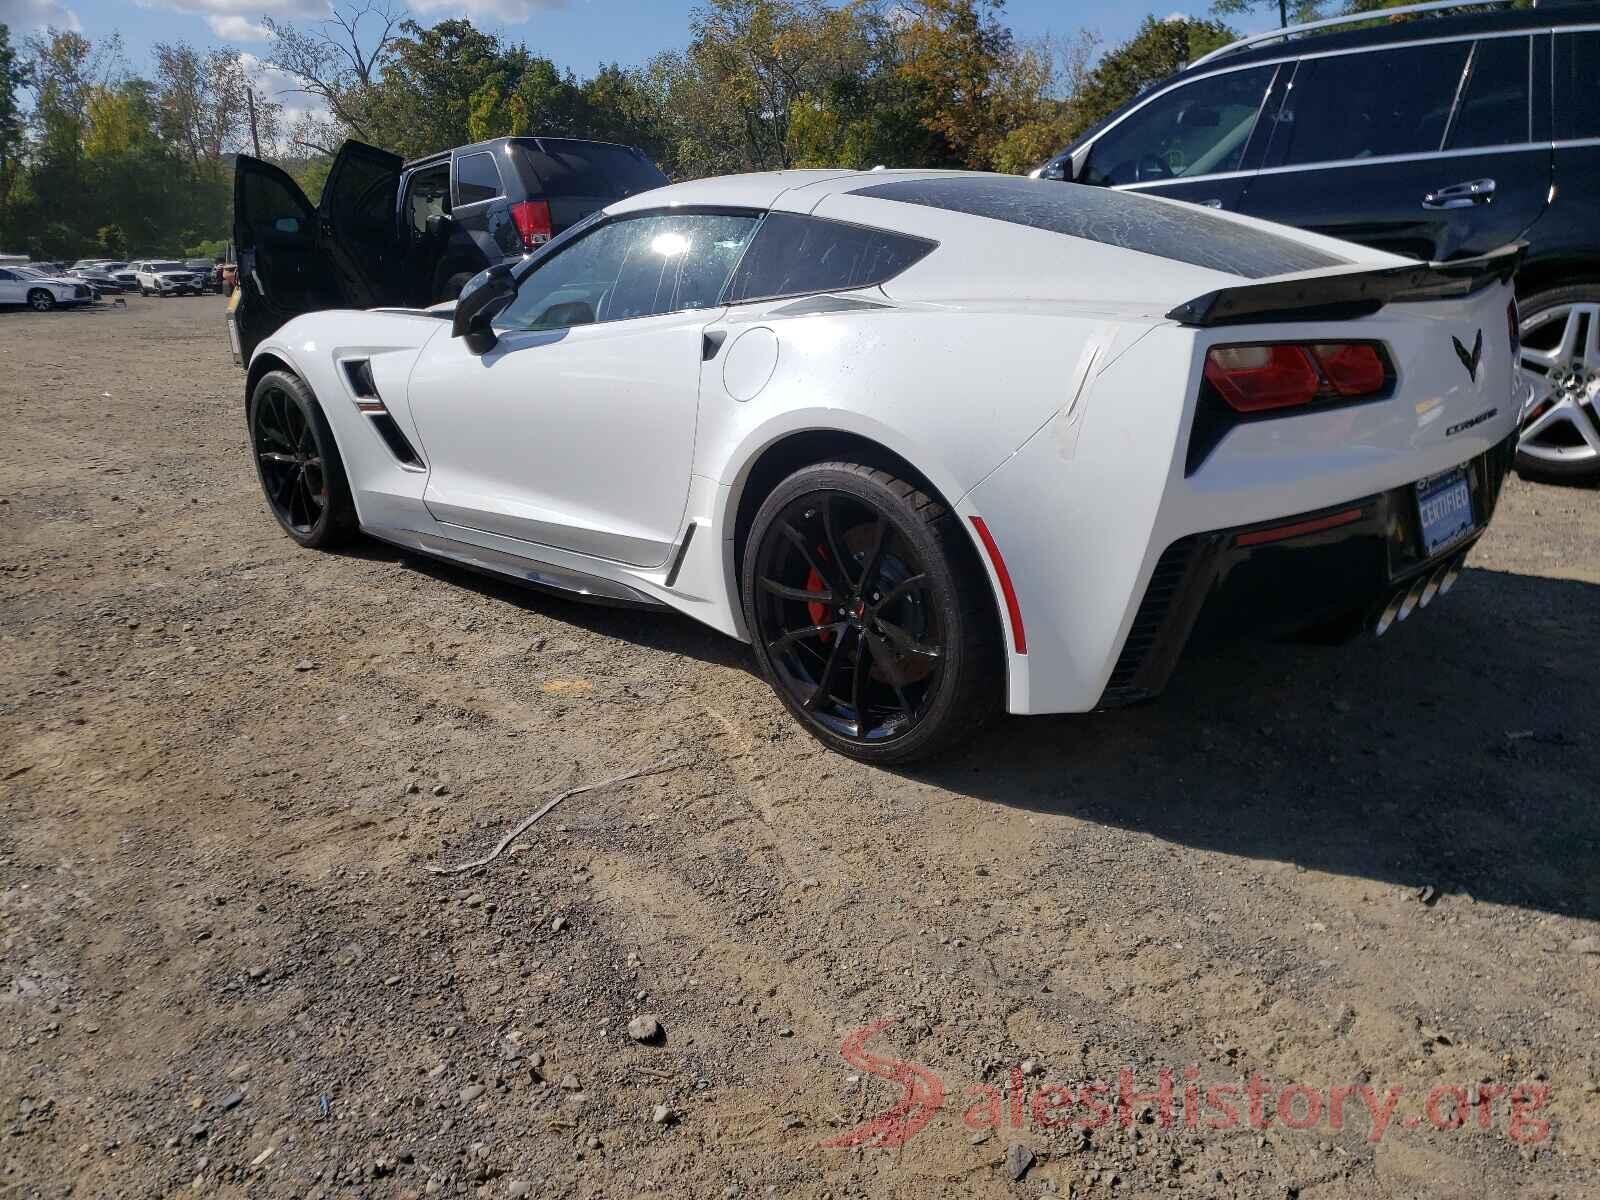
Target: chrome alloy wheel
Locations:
point(1561, 367)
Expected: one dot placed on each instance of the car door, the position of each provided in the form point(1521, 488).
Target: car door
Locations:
point(1426, 150)
point(11, 291)
point(359, 229)
point(1195, 141)
point(576, 430)
point(282, 269)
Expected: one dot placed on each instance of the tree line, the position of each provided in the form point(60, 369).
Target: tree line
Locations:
point(97, 159)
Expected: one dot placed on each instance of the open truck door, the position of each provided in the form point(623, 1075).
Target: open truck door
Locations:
point(294, 258)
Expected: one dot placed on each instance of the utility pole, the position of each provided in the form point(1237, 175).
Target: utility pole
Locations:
point(255, 136)
point(1283, 14)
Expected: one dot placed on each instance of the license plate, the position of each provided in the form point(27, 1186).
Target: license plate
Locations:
point(1444, 503)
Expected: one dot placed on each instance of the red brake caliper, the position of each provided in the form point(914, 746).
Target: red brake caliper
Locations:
point(818, 610)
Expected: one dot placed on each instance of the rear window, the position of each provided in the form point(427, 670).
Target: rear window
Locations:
point(591, 170)
point(476, 178)
point(1181, 232)
point(797, 256)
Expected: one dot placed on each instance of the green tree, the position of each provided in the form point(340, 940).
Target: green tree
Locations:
point(13, 75)
point(1155, 51)
point(113, 240)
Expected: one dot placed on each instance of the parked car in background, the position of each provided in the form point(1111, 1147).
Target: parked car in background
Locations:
point(204, 270)
point(1440, 136)
point(163, 277)
point(41, 292)
point(109, 277)
point(395, 233)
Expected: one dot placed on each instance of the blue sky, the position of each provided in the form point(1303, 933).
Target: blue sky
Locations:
point(580, 34)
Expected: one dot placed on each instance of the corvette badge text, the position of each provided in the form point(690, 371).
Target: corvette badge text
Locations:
point(1178, 1096)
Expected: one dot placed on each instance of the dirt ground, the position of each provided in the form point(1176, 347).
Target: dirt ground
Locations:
point(225, 761)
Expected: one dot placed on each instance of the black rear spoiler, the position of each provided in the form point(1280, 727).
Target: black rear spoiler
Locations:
point(1350, 294)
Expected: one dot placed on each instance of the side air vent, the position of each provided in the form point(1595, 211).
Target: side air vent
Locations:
point(359, 372)
point(1165, 583)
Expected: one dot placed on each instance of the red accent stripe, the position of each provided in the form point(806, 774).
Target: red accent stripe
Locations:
point(1279, 532)
point(1013, 609)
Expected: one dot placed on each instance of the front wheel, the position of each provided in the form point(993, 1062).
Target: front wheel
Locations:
point(298, 463)
point(41, 300)
point(870, 614)
point(1560, 362)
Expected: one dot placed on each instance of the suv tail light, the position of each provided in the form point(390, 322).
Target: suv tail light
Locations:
point(532, 219)
point(1277, 375)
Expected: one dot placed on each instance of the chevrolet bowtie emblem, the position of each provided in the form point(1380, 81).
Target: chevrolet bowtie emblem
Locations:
point(1470, 361)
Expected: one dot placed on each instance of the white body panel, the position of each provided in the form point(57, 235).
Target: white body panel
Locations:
point(1031, 377)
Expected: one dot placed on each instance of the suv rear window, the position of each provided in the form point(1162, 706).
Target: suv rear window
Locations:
point(591, 169)
point(1368, 105)
point(1182, 232)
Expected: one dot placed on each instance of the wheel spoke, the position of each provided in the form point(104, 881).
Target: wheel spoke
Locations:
point(905, 643)
point(835, 547)
point(795, 635)
point(887, 666)
point(874, 559)
point(904, 587)
point(793, 593)
point(274, 456)
point(825, 684)
point(858, 684)
point(798, 540)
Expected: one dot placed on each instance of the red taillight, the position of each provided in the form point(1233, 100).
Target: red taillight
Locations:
point(532, 219)
point(1262, 378)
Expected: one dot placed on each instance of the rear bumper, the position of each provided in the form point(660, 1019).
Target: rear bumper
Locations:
point(1292, 573)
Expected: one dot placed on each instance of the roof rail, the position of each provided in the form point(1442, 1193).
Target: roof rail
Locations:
point(1377, 14)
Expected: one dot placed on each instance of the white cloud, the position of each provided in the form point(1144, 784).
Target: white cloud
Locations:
point(235, 15)
point(283, 88)
point(510, 11)
point(22, 15)
point(234, 28)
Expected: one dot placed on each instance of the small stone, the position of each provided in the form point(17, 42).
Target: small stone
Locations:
point(200, 1132)
point(391, 980)
point(1018, 1159)
point(474, 900)
point(1032, 1067)
point(982, 1136)
point(786, 1032)
point(232, 1101)
point(557, 925)
point(305, 664)
point(1588, 944)
point(662, 1115)
point(256, 972)
point(569, 1083)
point(470, 1093)
point(518, 1188)
point(440, 789)
point(1426, 894)
point(644, 1029)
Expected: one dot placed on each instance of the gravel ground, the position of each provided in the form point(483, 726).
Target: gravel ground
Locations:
point(225, 763)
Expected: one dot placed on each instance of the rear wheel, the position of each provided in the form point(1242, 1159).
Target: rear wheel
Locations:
point(41, 300)
point(870, 614)
point(1560, 361)
point(298, 463)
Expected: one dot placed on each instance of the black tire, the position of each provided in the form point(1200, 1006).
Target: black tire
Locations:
point(41, 300)
point(451, 289)
point(918, 684)
point(1544, 459)
point(297, 463)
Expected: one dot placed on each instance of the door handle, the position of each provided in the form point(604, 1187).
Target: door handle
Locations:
point(1460, 195)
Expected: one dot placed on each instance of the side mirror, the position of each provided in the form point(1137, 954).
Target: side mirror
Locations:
point(482, 299)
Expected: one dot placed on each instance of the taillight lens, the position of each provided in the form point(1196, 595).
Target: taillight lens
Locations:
point(1278, 375)
point(532, 219)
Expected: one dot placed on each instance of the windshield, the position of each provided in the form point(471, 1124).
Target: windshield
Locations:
point(166, 266)
point(29, 272)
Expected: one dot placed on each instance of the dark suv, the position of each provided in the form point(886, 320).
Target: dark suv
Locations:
point(1437, 136)
point(402, 234)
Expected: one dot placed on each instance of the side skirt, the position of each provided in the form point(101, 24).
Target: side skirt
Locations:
point(559, 580)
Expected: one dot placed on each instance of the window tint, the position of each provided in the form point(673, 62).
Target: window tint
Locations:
point(1494, 103)
point(476, 178)
point(1577, 84)
point(590, 169)
point(1182, 232)
point(795, 256)
point(1198, 129)
point(633, 268)
point(6, 275)
point(1370, 104)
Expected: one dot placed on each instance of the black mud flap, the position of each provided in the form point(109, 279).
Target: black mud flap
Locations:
point(1344, 295)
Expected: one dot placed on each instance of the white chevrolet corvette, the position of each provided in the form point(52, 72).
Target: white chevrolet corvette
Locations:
point(936, 444)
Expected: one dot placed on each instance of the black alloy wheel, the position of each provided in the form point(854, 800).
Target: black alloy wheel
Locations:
point(870, 614)
point(298, 462)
